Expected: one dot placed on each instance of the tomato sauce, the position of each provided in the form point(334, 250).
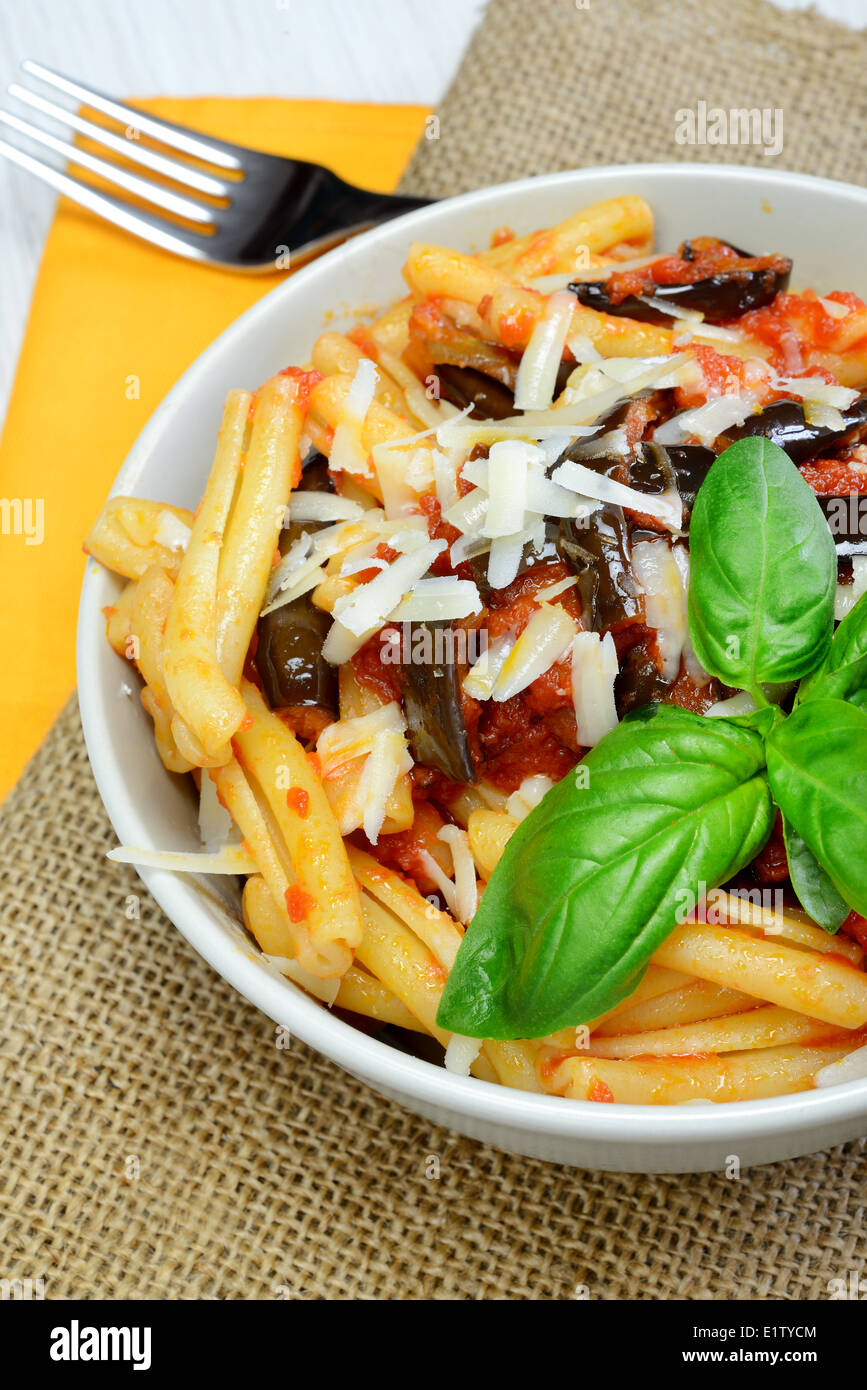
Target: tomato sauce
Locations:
point(403, 851)
point(710, 257)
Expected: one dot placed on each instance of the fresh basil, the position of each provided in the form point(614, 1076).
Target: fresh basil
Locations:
point(815, 891)
point(762, 570)
point(593, 880)
point(843, 673)
point(817, 767)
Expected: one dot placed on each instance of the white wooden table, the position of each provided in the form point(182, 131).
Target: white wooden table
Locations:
point(354, 50)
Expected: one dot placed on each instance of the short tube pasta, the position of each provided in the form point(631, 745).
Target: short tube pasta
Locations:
point(389, 490)
point(208, 703)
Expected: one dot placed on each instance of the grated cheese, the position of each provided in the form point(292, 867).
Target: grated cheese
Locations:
point(439, 599)
point(594, 670)
point(665, 601)
point(321, 506)
point(466, 894)
point(369, 605)
point(540, 362)
point(461, 1052)
point(387, 761)
point(231, 859)
point(347, 739)
point(529, 794)
point(508, 463)
point(707, 421)
point(481, 677)
point(742, 703)
point(347, 449)
point(667, 507)
point(546, 638)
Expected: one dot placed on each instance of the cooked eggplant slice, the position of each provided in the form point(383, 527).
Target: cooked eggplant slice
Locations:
point(735, 284)
point(638, 681)
point(846, 515)
point(490, 399)
point(654, 469)
point(434, 709)
point(785, 424)
point(464, 386)
point(600, 553)
point(289, 656)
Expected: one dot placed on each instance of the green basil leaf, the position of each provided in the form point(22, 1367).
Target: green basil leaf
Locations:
point(843, 673)
point(763, 721)
point(664, 808)
point(816, 893)
point(817, 766)
point(763, 570)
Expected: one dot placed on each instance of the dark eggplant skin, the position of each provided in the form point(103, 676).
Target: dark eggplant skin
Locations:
point(638, 681)
point(432, 697)
point(654, 468)
point(784, 423)
point(490, 399)
point(600, 553)
point(289, 657)
point(846, 515)
point(720, 297)
point(464, 386)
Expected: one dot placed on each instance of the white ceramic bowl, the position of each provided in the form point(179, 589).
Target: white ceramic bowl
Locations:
point(822, 225)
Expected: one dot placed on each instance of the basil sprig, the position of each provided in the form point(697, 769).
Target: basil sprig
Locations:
point(588, 890)
point(815, 889)
point(817, 767)
point(763, 570)
point(669, 805)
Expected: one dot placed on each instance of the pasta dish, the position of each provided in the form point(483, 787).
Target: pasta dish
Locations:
point(517, 650)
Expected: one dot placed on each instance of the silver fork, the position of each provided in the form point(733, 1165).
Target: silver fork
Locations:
point(272, 210)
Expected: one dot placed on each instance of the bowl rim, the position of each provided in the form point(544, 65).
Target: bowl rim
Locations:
point(374, 1062)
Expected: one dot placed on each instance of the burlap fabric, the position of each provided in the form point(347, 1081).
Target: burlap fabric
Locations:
point(157, 1142)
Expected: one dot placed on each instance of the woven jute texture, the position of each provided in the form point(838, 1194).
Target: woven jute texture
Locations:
point(550, 84)
point(157, 1142)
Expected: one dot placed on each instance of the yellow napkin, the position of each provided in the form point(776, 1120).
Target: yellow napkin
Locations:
point(112, 326)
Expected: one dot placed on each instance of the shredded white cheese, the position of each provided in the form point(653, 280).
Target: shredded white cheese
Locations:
point(594, 671)
point(231, 859)
point(347, 449)
point(529, 794)
point(665, 601)
point(667, 507)
point(707, 421)
point(480, 679)
point(546, 638)
point(321, 506)
point(347, 739)
point(466, 894)
point(439, 599)
point(461, 1052)
point(369, 605)
point(540, 362)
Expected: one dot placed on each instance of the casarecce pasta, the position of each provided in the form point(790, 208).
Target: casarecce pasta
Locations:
point(439, 563)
